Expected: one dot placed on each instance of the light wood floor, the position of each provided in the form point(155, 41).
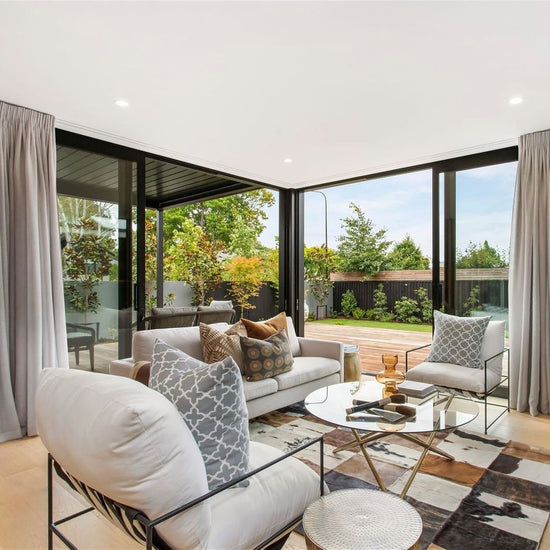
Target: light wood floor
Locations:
point(23, 508)
point(23, 483)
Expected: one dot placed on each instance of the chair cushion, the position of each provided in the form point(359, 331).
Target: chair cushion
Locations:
point(306, 369)
point(453, 376)
point(273, 499)
point(493, 343)
point(216, 345)
point(210, 398)
point(457, 340)
point(266, 358)
point(221, 304)
point(127, 442)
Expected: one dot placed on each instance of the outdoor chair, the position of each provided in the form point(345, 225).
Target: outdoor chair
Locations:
point(171, 317)
point(210, 315)
point(81, 337)
point(469, 381)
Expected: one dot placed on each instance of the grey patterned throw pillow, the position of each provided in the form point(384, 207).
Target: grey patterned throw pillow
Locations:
point(210, 398)
point(458, 340)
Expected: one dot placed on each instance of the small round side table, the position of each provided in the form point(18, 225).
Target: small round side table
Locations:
point(361, 519)
point(352, 363)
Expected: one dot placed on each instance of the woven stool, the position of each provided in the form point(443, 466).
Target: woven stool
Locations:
point(361, 519)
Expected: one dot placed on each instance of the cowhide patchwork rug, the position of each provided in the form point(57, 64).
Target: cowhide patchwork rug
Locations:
point(495, 494)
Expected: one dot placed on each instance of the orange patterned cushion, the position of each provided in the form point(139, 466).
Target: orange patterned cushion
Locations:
point(264, 329)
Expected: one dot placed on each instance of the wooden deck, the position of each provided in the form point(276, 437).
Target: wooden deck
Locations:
point(373, 343)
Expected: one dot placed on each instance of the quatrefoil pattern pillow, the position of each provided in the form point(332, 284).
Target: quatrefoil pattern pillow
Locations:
point(210, 398)
point(458, 340)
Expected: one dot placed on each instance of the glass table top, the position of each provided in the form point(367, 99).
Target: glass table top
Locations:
point(436, 412)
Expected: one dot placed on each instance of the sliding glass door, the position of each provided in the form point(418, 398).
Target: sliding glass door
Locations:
point(97, 204)
point(475, 218)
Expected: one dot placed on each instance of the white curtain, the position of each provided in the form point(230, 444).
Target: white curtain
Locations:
point(32, 313)
point(530, 278)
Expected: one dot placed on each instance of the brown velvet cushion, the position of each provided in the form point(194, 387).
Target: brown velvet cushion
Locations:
point(216, 345)
point(264, 329)
point(266, 358)
point(141, 371)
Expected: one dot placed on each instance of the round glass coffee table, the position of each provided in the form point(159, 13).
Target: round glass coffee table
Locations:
point(438, 412)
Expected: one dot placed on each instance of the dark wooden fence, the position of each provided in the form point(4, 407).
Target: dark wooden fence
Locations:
point(266, 305)
point(494, 292)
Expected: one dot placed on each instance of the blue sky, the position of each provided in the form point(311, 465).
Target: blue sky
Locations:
point(402, 205)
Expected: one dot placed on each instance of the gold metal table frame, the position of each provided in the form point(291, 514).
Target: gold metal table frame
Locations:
point(438, 412)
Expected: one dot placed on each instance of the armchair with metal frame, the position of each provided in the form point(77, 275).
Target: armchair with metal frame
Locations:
point(143, 529)
point(138, 464)
point(468, 382)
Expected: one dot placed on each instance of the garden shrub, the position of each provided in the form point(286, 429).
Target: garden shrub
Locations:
point(358, 313)
point(349, 303)
point(380, 310)
point(426, 305)
point(472, 303)
point(406, 310)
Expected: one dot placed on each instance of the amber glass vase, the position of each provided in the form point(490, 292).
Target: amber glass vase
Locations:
point(390, 377)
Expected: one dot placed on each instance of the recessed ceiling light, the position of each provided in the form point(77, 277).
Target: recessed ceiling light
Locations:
point(287, 161)
point(121, 103)
point(516, 100)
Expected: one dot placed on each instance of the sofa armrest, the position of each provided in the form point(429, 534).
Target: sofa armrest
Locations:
point(121, 367)
point(311, 347)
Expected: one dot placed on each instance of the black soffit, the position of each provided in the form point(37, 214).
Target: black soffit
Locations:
point(84, 174)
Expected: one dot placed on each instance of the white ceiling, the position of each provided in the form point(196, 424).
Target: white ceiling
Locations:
point(342, 88)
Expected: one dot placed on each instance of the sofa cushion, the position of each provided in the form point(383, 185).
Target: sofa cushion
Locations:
point(267, 505)
point(457, 340)
point(184, 338)
point(253, 390)
point(263, 329)
point(217, 345)
point(266, 358)
point(306, 369)
point(210, 398)
point(127, 442)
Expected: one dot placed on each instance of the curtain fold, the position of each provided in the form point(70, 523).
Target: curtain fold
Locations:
point(529, 284)
point(32, 312)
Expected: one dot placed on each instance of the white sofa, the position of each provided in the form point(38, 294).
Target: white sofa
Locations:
point(317, 363)
point(115, 437)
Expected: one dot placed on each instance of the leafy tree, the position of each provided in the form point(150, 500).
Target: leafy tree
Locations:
point(362, 248)
point(349, 303)
point(236, 221)
point(72, 209)
point(319, 262)
point(481, 255)
point(407, 255)
point(192, 257)
point(245, 276)
point(270, 258)
point(88, 257)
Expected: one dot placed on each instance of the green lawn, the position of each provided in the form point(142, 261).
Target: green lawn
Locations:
point(375, 324)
